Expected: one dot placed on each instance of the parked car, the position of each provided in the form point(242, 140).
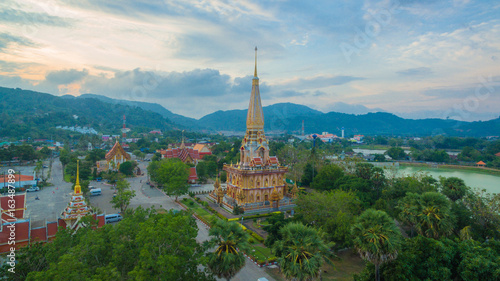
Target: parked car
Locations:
point(113, 218)
point(33, 188)
point(95, 192)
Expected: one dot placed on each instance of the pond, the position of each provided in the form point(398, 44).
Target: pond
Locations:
point(471, 178)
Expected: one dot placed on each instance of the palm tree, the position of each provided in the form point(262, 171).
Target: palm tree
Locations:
point(229, 239)
point(410, 209)
point(38, 168)
point(376, 237)
point(301, 251)
point(435, 219)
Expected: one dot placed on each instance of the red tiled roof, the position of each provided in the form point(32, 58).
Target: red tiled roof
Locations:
point(257, 161)
point(192, 174)
point(498, 154)
point(273, 160)
point(17, 178)
point(480, 163)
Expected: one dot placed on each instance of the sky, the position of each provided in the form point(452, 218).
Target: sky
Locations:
point(415, 58)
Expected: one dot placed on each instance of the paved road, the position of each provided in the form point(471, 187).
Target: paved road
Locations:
point(55, 198)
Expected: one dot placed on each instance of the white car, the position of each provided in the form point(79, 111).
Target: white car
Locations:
point(33, 188)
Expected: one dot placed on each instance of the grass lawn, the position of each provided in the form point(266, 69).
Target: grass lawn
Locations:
point(195, 207)
point(67, 177)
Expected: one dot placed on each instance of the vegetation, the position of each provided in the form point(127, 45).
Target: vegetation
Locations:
point(172, 174)
point(123, 195)
point(229, 240)
point(376, 238)
point(301, 252)
point(143, 246)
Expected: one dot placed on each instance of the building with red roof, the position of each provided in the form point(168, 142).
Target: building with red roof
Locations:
point(187, 154)
point(115, 156)
point(19, 180)
point(193, 177)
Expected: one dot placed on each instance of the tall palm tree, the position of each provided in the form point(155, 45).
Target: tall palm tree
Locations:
point(301, 252)
point(38, 168)
point(435, 219)
point(229, 239)
point(410, 210)
point(376, 237)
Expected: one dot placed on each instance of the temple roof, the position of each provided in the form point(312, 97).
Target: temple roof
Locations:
point(192, 174)
point(117, 148)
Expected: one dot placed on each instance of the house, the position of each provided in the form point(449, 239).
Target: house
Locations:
point(19, 180)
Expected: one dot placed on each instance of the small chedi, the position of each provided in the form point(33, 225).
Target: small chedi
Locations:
point(257, 181)
point(77, 207)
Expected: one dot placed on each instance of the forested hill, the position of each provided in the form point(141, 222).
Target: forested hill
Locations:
point(288, 117)
point(186, 122)
point(33, 114)
point(28, 114)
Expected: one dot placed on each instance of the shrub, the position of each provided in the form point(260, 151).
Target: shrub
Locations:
point(251, 241)
point(273, 259)
point(191, 203)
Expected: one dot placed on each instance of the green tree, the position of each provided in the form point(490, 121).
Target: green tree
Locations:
point(333, 211)
point(327, 177)
point(435, 218)
point(453, 187)
point(376, 237)
point(409, 210)
point(123, 195)
point(274, 223)
point(226, 260)
point(480, 261)
point(127, 168)
point(307, 176)
point(38, 168)
point(173, 176)
point(169, 250)
point(396, 153)
point(485, 208)
point(301, 252)
point(379, 158)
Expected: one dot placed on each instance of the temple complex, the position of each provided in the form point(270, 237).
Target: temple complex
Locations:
point(77, 207)
point(114, 158)
point(257, 180)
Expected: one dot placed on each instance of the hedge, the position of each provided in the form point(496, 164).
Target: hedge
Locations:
point(261, 215)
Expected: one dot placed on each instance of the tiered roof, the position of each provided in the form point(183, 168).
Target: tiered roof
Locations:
point(77, 207)
point(192, 174)
point(117, 149)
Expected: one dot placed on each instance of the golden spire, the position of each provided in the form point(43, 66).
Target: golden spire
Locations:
point(255, 116)
point(182, 143)
point(78, 188)
point(255, 72)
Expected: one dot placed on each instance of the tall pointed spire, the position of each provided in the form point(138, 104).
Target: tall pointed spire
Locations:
point(78, 188)
point(255, 116)
point(255, 72)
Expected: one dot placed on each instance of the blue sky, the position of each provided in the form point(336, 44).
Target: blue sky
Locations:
point(416, 58)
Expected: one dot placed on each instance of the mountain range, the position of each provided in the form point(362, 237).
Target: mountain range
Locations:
point(29, 109)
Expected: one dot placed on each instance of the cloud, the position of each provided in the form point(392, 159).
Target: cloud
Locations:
point(64, 77)
point(418, 71)
point(30, 19)
point(319, 82)
point(6, 40)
